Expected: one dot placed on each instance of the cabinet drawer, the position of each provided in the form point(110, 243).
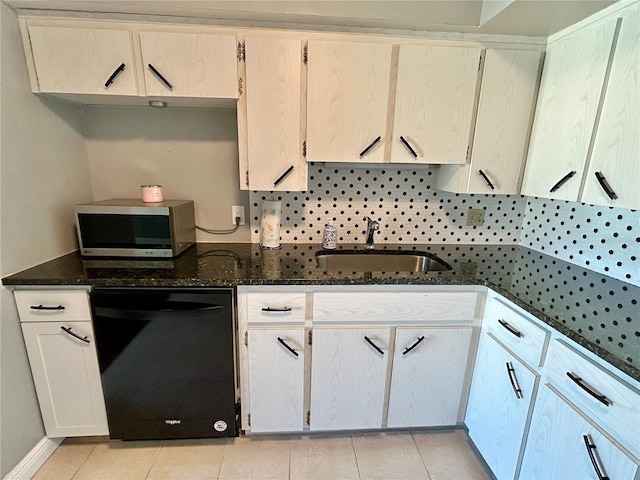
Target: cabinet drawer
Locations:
point(436, 307)
point(276, 307)
point(52, 305)
point(618, 409)
point(521, 335)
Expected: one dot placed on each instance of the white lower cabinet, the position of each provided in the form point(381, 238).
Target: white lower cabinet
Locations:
point(500, 403)
point(564, 444)
point(429, 368)
point(348, 373)
point(58, 335)
point(353, 358)
point(276, 375)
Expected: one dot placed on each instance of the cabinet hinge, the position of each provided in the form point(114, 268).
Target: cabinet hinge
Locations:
point(310, 337)
point(480, 63)
point(305, 54)
point(239, 86)
point(246, 339)
point(304, 149)
point(248, 419)
point(241, 52)
point(246, 178)
point(308, 418)
point(467, 153)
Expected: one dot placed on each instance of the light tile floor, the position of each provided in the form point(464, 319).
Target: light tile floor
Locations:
point(401, 455)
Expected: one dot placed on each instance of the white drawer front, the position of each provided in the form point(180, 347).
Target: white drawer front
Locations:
point(284, 308)
point(358, 307)
point(526, 339)
point(620, 418)
point(52, 305)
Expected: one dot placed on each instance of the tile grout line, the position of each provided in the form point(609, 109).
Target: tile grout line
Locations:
point(424, 463)
point(82, 464)
point(154, 460)
point(355, 455)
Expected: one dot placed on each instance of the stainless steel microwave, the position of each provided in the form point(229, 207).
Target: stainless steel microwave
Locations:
point(130, 228)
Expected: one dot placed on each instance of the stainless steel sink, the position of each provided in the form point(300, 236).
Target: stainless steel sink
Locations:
point(379, 261)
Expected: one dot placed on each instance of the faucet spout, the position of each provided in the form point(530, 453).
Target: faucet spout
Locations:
point(372, 227)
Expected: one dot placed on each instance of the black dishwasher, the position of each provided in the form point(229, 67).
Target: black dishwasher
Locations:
point(166, 361)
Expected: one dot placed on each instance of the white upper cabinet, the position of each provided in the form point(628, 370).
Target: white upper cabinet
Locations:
point(347, 101)
point(572, 83)
point(270, 116)
point(189, 65)
point(505, 112)
point(615, 158)
point(434, 103)
point(83, 61)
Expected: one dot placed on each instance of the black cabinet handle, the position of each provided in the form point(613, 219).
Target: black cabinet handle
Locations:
point(418, 342)
point(284, 344)
point(605, 186)
point(42, 307)
point(562, 181)
point(510, 329)
point(486, 179)
point(406, 144)
point(378, 349)
point(591, 450)
point(283, 176)
point(590, 390)
point(371, 145)
point(113, 76)
point(514, 381)
point(281, 309)
point(73, 334)
point(160, 77)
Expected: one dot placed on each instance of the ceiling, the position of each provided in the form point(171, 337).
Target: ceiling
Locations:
point(511, 17)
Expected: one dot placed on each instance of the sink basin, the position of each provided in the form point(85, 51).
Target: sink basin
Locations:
point(379, 261)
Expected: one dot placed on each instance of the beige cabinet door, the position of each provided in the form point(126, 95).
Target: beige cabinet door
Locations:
point(272, 115)
point(429, 367)
point(83, 61)
point(434, 104)
point(348, 374)
point(616, 151)
point(189, 65)
point(67, 377)
point(347, 101)
point(505, 113)
point(276, 379)
point(572, 82)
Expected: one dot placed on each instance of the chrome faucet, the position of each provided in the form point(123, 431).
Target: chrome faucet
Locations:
point(372, 227)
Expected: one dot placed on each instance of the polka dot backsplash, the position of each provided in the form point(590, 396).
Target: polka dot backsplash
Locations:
point(603, 239)
point(410, 210)
point(403, 201)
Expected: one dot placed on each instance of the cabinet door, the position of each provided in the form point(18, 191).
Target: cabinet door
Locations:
point(80, 60)
point(497, 415)
point(617, 142)
point(570, 90)
point(273, 114)
point(189, 65)
point(562, 443)
point(348, 377)
point(505, 112)
point(276, 379)
point(429, 366)
point(347, 101)
point(434, 105)
point(67, 378)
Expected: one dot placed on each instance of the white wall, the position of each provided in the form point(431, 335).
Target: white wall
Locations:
point(192, 153)
point(43, 174)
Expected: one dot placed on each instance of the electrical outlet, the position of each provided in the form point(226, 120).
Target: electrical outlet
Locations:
point(475, 217)
point(237, 211)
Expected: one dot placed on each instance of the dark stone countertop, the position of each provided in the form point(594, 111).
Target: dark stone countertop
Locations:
point(596, 311)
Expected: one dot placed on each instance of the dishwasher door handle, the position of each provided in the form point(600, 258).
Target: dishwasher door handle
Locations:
point(144, 314)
